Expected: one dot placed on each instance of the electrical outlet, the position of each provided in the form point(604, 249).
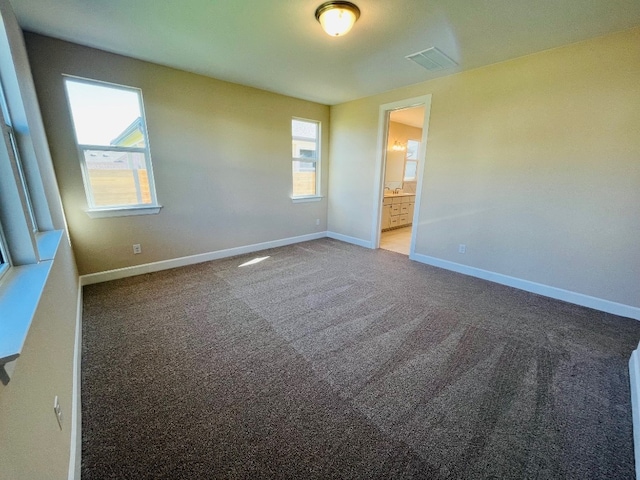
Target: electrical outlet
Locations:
point(137, 248)
point(58, 411)
point(462, 248)
point(317, 221)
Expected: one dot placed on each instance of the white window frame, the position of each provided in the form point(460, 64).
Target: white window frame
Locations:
point(8, 137)
point(317, 161)
point(5, 259)
point(94, 210)
point(23, 180)
point(9, 133)
point(20, 244)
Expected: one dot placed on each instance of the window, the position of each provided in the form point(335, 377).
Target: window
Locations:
point(16, 196)
point(4, 258)
point(411, 161)
point(30, 227)
point(4, 261)
point(10, 139)
point(305, 143)
point(112, 144)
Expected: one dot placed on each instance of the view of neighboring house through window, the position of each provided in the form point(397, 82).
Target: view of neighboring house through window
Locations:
point(112, 141)
point(305, 136)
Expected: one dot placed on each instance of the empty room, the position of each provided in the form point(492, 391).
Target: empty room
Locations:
point(315, 240)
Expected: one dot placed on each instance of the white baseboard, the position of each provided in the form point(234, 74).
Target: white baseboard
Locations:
point(348, 239)
point(75, 449)
point(193, 259)
point(533, 287)
point(634, 380)
point(540, 289)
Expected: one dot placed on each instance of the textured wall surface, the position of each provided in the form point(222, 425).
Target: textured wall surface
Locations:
point(221, 155)
point(533, 163)
point(33, 446)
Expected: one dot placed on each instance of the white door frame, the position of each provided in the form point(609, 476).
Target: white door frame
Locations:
point(381, 155)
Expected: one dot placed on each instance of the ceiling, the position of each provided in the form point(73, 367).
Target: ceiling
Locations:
point(278, 45)
point(414, 117)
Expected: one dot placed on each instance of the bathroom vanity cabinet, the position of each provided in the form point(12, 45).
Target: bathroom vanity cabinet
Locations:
point(397, 210)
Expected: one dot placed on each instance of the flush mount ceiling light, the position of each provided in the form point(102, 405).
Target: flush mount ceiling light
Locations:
point(336, 17)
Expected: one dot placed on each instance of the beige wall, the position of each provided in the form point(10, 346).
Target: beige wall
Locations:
point(533, 163)
point(221, 155)
point(33, 446)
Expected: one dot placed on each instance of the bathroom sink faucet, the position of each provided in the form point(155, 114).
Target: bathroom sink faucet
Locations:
point(397, 190)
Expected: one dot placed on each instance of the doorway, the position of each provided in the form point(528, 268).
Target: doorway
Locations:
point(402, 143)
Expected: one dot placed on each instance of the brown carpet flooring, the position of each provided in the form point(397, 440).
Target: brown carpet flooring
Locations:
point(327, 360)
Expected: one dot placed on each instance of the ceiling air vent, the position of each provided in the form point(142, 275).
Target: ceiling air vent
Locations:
point(432, 59)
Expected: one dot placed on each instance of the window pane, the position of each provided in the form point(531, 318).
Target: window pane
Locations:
point(4, 258)
point(18, 161)
point(23, 180)
point(304, 178)
point(410, 170)
point(304, 149)
point(117, 178)
point(305, 139)
point(105, 115)
point(112, 139)
point(412, 149)
point(302, 129)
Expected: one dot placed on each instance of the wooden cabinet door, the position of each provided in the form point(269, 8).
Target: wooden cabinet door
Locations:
point(386, 217)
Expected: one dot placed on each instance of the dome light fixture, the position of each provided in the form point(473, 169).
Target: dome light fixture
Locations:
point(337, 17)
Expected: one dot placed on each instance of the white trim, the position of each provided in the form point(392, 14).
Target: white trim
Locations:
point(355, 241)
point(75, 449)
point(20, 292)
point(92, 278)
point(634, 380)
point(378, 188)
point(533, 287)
point(69, 79)
point(422, 158)
point(540, 289)
point(47, 244)
point(123, 211)
point(315, 198)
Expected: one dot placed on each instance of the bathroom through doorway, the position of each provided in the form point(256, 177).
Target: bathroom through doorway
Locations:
point(402, 160)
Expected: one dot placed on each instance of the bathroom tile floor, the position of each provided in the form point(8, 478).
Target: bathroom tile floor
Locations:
point(396, 240)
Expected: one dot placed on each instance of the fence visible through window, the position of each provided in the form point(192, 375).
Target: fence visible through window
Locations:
point(112, 142)
point(117, 177)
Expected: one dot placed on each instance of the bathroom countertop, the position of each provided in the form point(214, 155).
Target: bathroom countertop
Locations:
point(403, 194)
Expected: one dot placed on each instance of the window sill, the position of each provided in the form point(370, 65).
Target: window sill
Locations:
point(315, 198)
point(123, 211)
point(47, 244)
point(20, 292)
